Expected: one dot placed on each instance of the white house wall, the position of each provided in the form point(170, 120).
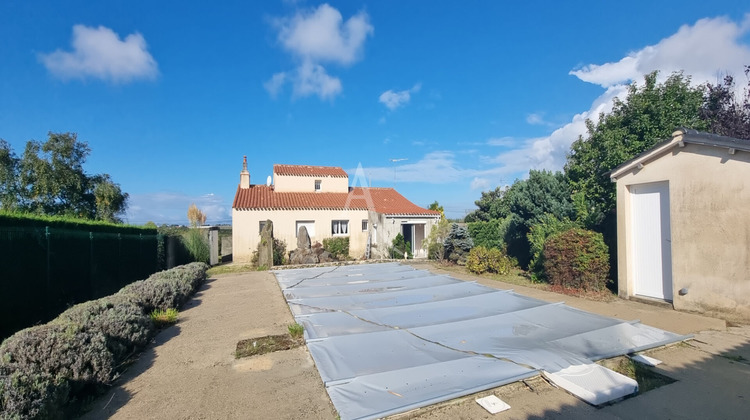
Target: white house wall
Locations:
point(297, 183)
point(246, 229)
point(709, 197)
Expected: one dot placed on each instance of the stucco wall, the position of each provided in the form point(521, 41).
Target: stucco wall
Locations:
point(293, 183)
point(246, 229)
point(390, 226)
point(709, 195)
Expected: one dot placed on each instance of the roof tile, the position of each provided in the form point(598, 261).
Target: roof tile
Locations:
point(306, 170)
point(384, 200)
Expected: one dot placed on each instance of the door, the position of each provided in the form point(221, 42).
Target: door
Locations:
point(408, 231)
point(652, 240)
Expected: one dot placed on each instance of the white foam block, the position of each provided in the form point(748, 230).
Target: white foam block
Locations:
point(493, 404)
point(593, 383)
point(645, 360)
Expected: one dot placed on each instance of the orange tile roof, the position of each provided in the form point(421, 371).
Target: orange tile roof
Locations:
point(384, 200)
point(306, 170)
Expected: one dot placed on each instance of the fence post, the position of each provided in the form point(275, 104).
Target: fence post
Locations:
point(48, 291)
point(92, 275)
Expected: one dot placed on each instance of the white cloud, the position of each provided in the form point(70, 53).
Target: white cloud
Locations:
point(312, 79)
point(275, 83)
point(434, 168)
point(322, 35)
point(318, 36)
point(393, 100)
point(703, 50)
point(171, 208)
point(100, 53)
point(480, 183)
point(502, 141)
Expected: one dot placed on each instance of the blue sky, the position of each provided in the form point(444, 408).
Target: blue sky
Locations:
point(466, 96)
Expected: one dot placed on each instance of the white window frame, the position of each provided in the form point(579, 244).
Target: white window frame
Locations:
point(365, 225)
point(318, 185)
point(340, 227)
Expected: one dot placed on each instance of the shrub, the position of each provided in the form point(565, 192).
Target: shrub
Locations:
point(399, 248)
point(118, 317)
point(166, 289)
point(32, 396)
point(547, 226)
point(458, 244)
point(45, 368)
point(61, 350)
point(435, 251)
point(197, 245)
point(577, 259)
point(338, 247)
point(481, 260)
point(489, 234)
point(279, 251)
point(433, 243)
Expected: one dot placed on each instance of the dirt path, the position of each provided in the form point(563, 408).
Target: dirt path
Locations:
point(189, 372)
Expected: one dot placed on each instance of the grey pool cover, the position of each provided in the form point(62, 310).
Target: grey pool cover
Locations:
point(387, 338)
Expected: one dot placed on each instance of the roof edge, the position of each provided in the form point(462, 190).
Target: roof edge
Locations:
point(679, 138)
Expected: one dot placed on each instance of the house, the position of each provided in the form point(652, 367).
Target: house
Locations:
point(683, 224)
point(320, 199)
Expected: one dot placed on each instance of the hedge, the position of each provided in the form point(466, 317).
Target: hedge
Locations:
point(46, 369)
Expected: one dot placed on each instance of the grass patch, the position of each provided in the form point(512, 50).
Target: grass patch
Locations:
point(229, 268)
point(164, 318)
point(267, 344)
point(646, 377)
point(296, 330)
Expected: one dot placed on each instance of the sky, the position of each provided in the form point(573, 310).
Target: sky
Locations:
point(441, 100)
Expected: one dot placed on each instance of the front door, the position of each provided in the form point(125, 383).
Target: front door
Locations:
point(652, 242)
point(408, 231)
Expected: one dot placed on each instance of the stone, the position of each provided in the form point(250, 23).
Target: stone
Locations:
point(265, 247)
point(303, 238)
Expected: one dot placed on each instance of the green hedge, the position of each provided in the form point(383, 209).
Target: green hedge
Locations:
point(47, 369)
point(11, 219)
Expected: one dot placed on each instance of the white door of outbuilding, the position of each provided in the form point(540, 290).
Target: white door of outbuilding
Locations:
point(652, 240)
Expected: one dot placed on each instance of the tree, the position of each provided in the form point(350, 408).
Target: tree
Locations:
point(651, 112)
point(8, 177)
point(437, 207)
point(491, 206)
point(109, 199)
point(544, 192)
point(50, 180)
point(195, 216)
point(722, 111)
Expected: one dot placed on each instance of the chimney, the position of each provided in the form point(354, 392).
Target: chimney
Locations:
point(244, 175)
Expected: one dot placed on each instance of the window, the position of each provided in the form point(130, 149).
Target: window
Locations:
point(340, 227)
point(364, 226)
point(261, 225)
point(317, 185)
point(309, 224)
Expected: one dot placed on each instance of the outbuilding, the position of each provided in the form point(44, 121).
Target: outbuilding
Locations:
point(683, 224)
